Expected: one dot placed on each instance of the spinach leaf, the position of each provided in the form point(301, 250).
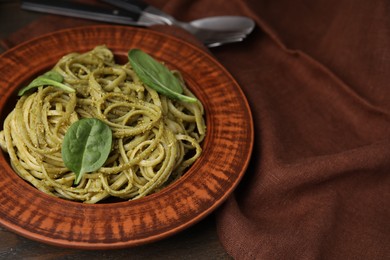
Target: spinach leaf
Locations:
point(51, 78)
point(157, 76)
point(86, 146)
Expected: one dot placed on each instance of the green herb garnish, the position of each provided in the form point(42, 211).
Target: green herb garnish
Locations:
point(51, 78)
point(157, 76)
point(86, 146)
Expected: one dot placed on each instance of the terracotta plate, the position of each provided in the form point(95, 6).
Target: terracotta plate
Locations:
point(227, 147)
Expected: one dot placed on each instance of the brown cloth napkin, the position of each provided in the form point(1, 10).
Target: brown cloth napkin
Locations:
point(316, 77)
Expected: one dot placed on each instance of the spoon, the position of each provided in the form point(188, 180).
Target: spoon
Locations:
point(212, 31)
point(224, 29)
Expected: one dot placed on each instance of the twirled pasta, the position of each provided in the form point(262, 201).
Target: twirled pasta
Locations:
point(154, 138)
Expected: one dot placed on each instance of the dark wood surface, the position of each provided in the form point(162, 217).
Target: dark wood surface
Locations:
point(197, 242)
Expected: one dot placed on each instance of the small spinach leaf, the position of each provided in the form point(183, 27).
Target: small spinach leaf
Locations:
point(86, 146)
point(51, 78)
point(157, 76)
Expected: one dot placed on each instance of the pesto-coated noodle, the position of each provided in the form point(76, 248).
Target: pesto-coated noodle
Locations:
point(155, 139)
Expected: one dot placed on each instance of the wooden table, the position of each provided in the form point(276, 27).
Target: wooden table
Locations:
point(198, 242)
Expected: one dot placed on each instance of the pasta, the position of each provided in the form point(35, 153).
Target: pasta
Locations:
point(155, 139)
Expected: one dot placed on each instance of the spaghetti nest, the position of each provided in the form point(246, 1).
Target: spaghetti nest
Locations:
point(154, 138)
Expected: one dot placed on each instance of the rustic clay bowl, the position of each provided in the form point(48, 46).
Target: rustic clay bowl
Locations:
point(227, 147)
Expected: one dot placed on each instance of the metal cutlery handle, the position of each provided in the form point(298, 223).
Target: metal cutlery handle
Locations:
point(73, 9)
point(130, 5)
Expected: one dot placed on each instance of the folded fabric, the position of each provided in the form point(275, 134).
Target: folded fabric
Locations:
point(318, 185)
